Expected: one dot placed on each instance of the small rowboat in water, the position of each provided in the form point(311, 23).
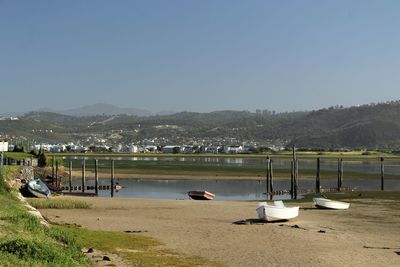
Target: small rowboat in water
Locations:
point(200, 195)
point(276, 212)
point(38, 188)
point(324, 203)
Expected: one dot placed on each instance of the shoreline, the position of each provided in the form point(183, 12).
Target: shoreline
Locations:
point(207, 229)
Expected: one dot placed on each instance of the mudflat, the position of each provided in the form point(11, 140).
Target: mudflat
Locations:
point(367, 234)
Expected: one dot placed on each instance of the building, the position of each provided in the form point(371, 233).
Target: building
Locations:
point(171, 149)
point(3, 146)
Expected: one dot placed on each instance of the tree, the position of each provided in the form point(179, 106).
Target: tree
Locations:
point(42, 160)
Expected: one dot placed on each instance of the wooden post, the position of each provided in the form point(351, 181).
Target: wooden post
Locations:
point(112, 178)
point(96, 177)
point(70, 176)
point(382, 174)
point(52, 169)
point(292, 179)
point(296, 176)
point(1, 163)
point(340, 174)
point(271, 177)
point(57, 182)
point(83, 175)
point(267, 178)
point(317, 178)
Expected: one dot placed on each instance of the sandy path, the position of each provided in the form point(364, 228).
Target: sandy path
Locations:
point(206, 229)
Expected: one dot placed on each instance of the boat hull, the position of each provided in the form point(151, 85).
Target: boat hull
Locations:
point(39, 189)
point(200, 195)
point(324, 203)
point(276, 213)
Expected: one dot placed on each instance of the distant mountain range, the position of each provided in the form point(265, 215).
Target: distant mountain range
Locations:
point(105, 109)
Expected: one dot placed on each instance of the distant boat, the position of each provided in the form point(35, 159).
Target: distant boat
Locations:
point(117, 187)
point(38, 188)
point(276, 212)
point(201, 195)
point(325, 203)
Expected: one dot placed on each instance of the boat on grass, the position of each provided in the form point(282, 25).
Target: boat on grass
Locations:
point(39, 189)
point(325, 203)
point(276, 212)
point(200, 195)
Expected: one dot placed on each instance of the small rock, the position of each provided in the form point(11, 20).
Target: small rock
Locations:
point(322, 231)
point(90, 250)
point(106, 258)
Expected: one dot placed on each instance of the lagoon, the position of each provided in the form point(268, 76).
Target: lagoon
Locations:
point(225, 189)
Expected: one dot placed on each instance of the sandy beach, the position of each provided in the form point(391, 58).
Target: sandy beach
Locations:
point(365, 235)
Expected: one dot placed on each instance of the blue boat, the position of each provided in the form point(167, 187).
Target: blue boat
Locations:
point(39, 189)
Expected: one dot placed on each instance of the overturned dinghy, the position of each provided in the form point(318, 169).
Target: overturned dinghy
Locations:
point(325, 203)
point(38, 188)
point(276, 212)
point(200, 195)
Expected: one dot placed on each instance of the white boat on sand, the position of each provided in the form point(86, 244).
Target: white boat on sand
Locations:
point(276, 212)
point(325, 203)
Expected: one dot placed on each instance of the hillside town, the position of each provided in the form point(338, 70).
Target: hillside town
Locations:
point(145, 146)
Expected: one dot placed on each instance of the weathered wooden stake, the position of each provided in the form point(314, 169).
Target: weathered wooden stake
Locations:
point(112, 178)
point(296, 176)
point(96, 177)
point(340, 174)
point(295, 172)
point(1, 163)
point(292, 180)
point(83, 175)
point(52, 169)
point(382, 174)
point(271, 178)
point(57, 182)
point(317, 178)
point(70, 176)
point(267, 178)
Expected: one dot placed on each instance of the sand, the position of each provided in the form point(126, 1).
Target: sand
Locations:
point(368, 234)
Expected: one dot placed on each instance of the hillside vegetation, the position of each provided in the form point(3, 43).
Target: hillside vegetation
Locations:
point(374, 126)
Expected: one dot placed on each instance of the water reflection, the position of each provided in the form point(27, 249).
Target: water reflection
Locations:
point(225, 189)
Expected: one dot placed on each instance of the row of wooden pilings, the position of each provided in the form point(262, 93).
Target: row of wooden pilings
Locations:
point(83, 184)
point(294, 174)
point(294, 177)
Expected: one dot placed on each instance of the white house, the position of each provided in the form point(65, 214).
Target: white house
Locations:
point(150, 149)
point(133, 148)
point(233, 149)
point(3, 146)
point(211, 149)
point(187, 150)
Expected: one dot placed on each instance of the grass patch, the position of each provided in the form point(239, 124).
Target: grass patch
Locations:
point(280, 154)
point(241, 167)
point(136, 249)
point(18, 155)
point(24, 241)
point(58, 204)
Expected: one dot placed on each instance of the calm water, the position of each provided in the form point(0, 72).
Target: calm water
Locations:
point(242, 189)
point(225, 189)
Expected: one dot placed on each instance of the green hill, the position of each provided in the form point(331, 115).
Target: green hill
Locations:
point(368, 126)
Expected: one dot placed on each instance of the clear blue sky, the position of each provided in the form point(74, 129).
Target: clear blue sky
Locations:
point(198, 55)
